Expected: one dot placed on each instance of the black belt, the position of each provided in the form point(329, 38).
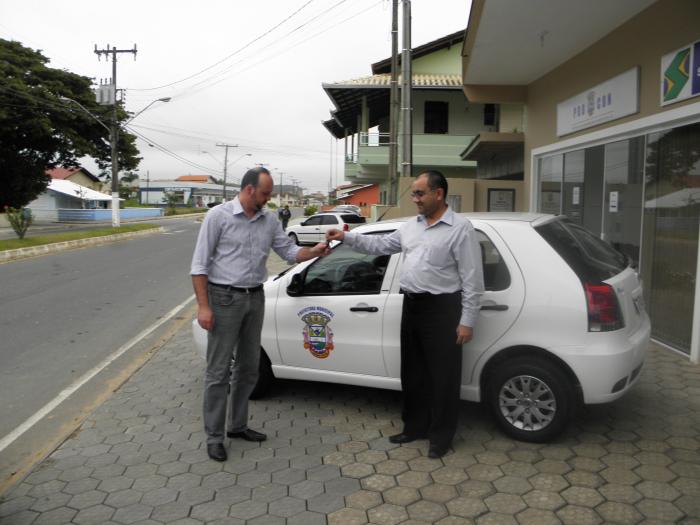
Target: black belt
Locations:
point(425, 295)
point(237, 289)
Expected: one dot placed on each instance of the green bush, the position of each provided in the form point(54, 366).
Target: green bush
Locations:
point(20, 219)
point(310, 210)
point(272, 205)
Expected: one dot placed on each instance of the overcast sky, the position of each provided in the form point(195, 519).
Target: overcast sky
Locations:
point(265, 92)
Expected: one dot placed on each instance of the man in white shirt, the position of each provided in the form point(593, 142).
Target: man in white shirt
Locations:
point(442, 282)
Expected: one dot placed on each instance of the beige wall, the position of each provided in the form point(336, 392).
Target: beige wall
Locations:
point(511, 118)
point(474, 195)
point(641, 41)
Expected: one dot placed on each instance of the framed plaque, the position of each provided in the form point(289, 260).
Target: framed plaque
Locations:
point(501, 199)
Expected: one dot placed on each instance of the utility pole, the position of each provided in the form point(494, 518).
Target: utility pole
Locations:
point(227, 146)
point(394, 107)
point(114, 139)
point(406, 99)
point(148, 180)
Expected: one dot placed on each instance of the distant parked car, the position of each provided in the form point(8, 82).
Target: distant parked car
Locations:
point(313, 229)
point(562, 322)
point(347, 208)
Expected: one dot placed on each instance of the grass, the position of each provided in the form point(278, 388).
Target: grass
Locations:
point(11, 244)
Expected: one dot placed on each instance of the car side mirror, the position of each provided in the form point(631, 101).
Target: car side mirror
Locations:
point(296, 285)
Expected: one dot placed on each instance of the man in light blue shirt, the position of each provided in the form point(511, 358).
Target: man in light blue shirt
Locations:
point(442, 282)
point(228, 269)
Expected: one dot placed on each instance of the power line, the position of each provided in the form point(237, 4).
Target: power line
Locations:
point(251, 42)
point(171, 153)
point(301, 26)
point(186, 92)
point(248, 145)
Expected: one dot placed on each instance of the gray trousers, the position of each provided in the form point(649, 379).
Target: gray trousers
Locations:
point(238, 320)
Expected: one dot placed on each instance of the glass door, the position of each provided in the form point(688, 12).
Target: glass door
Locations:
point(670, 238)
point(622, 211)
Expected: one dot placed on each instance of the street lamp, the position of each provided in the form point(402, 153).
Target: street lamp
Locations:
point(113, 138)
point(164, 99)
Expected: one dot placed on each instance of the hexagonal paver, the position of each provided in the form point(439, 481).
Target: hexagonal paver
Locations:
point(391, 467)
point(357, 470)
point(449, 475)
point(537, 517)
point(364, 499)
point(347, 516)
point(269, 492)
point(387, 514)
point(427, 511)
point(94, 515)
point(378, 482)
point(613, 512)
point(286, 507)
point(306, 489)
point(505, 503)
point(132, 513)
point(123, 498)
point(325, 503)
point(544, 499)
point(659, 510)
point(484, 472)
point(575, 515)
point(402, 496)
point(512, 485)
point(87, 499)
point(218, 509)
point(582, 496)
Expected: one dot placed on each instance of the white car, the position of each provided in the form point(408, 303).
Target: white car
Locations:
point(562, 322)
point(313, 229)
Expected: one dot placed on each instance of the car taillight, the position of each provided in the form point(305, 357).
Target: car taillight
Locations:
point(346, 228)
point(604, 313)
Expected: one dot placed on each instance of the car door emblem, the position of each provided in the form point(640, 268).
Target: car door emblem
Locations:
point(318, 336)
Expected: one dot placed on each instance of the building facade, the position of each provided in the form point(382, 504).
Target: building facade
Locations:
point(610, 104)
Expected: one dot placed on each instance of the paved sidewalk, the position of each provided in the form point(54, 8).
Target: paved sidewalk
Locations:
point(141, 458)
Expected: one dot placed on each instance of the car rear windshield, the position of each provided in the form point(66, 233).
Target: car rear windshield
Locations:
point(591, 258)
point(351, 218)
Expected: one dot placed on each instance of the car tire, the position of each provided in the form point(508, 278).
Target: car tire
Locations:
point(294, 238)
point(511, 402)
point(265, 377)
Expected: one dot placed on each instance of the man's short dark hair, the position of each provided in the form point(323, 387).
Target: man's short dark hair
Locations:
point(252, 177)
point(435, 180)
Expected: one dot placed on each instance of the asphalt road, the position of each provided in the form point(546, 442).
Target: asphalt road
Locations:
point(62, 314)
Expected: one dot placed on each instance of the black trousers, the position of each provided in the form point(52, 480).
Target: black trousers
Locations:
point(431, 365)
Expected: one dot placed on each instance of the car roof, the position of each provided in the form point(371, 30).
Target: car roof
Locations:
point(533, 219)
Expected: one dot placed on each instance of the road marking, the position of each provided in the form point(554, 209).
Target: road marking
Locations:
point(65, 393)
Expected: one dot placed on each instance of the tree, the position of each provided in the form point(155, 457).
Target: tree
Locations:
point(39, 130)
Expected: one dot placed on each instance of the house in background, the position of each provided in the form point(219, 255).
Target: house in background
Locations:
point(445, 124)
point(199, 193)
point(362, 195)
point(77, 175)
point(62, 196)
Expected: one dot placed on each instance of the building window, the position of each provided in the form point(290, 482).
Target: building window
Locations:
point(436, 117)
point(489, 114)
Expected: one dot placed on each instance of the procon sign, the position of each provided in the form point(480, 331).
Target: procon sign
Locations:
point(610, 100)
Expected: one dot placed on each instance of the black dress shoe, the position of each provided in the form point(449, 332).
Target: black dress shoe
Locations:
point(248, 435)
point(403, 438)
point(216, 451)
point(435, 451)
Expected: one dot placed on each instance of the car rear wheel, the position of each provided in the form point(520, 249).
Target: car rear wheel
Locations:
point(294, 238)
point(265, 377)
point(531, 398)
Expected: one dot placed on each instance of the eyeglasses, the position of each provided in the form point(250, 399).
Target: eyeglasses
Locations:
point(419, 194)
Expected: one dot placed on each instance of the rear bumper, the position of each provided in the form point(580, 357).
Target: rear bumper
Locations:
point(610, 364)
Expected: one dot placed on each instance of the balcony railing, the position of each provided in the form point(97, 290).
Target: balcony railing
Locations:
point(374, 139)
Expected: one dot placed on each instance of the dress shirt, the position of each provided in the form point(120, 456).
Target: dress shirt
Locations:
point(233, 249)
point(444, 257)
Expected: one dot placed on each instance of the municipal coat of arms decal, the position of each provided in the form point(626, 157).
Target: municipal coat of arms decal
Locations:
point(318, 336)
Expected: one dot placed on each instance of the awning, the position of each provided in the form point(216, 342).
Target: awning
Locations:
point(72, 189)
point(489, 144)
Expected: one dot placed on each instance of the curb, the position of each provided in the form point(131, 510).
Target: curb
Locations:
point(45, 249)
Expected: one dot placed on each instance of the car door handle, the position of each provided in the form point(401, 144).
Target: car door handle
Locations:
point(497, 307)
point(364, 309)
